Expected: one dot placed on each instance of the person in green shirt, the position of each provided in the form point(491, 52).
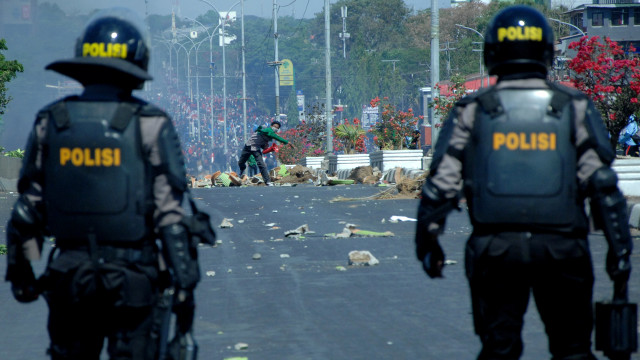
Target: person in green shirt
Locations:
point(253, 166)
point(259, 141)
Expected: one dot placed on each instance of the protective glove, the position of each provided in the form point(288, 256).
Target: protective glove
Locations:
point(618, 266)
point(23, 282)
point(429, 252)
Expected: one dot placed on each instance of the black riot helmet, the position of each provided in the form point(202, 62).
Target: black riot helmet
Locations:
point(113, 48)
point(518, 39)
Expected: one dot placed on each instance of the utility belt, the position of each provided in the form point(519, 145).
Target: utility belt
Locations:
point(492, 229)
point(146, 254)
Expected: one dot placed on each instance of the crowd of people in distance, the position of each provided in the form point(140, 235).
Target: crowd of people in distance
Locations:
point(203, 139)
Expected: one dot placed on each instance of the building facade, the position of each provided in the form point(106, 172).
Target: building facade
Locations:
point(617, 19)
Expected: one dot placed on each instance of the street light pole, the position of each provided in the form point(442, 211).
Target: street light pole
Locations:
point(568, 24)
point(224, 69)
point(210, 77)
point(244, 78)
point(187, 52)
point(481, 67)
point(435, 68)
point(276, 61)
point(327, 72)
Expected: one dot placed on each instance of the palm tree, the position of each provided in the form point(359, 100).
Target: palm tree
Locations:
point(348, 135)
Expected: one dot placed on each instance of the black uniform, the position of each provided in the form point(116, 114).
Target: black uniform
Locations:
point(525, 154)
point(103, 173)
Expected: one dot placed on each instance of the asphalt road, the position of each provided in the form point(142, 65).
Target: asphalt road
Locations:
point(301, 299)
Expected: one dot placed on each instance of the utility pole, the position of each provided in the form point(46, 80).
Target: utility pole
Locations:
point(276, 61)
point(327, 56)
point(244, 77)
point(448, 50)
point(344, 35)
point(435, 68)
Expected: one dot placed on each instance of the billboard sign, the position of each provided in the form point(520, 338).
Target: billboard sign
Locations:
point(285, 72)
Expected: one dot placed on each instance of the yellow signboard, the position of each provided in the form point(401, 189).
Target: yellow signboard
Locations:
point(285, 72)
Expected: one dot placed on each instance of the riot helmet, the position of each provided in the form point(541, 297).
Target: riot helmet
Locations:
point(113, 48)
point(518, 39)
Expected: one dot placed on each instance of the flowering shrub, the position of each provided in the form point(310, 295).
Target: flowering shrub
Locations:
point(306, 139)
point(448, 97)
point(389, 132)
point(610, 77)
point(349, 137)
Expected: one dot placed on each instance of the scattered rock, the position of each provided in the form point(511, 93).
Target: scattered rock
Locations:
point(302, 229)
point(256, 256)
point(241, 346)
point(226, 223)
point(211, 273)
point(362, 258)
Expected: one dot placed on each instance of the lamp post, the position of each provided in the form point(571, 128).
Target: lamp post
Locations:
point(197, 47)
point(568, 24)
point(224, 67)
point(187, 52)
point(481, 67)
point(188, 64)
point(210, 72)
point(244, 78)
point(210, 35)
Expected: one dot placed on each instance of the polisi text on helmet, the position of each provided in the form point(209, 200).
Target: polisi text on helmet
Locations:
point(519, 33)
point(90, 157)
point(104, 50)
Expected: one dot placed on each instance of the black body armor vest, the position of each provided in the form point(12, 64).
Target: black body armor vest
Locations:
point(521, 162)
point(96, 180)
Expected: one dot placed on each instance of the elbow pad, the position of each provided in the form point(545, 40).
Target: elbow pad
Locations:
point(181, 255)
point(609, 210)
point(25, 223)
point(171, 157)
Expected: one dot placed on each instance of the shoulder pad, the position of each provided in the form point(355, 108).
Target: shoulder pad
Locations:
point(56, 108)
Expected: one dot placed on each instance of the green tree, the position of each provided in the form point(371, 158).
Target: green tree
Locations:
point(8, 71)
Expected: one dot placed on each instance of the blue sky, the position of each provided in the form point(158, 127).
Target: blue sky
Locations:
point(263, 8)
point(191, 8)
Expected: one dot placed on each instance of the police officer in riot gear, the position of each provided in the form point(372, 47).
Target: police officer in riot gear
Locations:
point(104, 174)
point(526, 153)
